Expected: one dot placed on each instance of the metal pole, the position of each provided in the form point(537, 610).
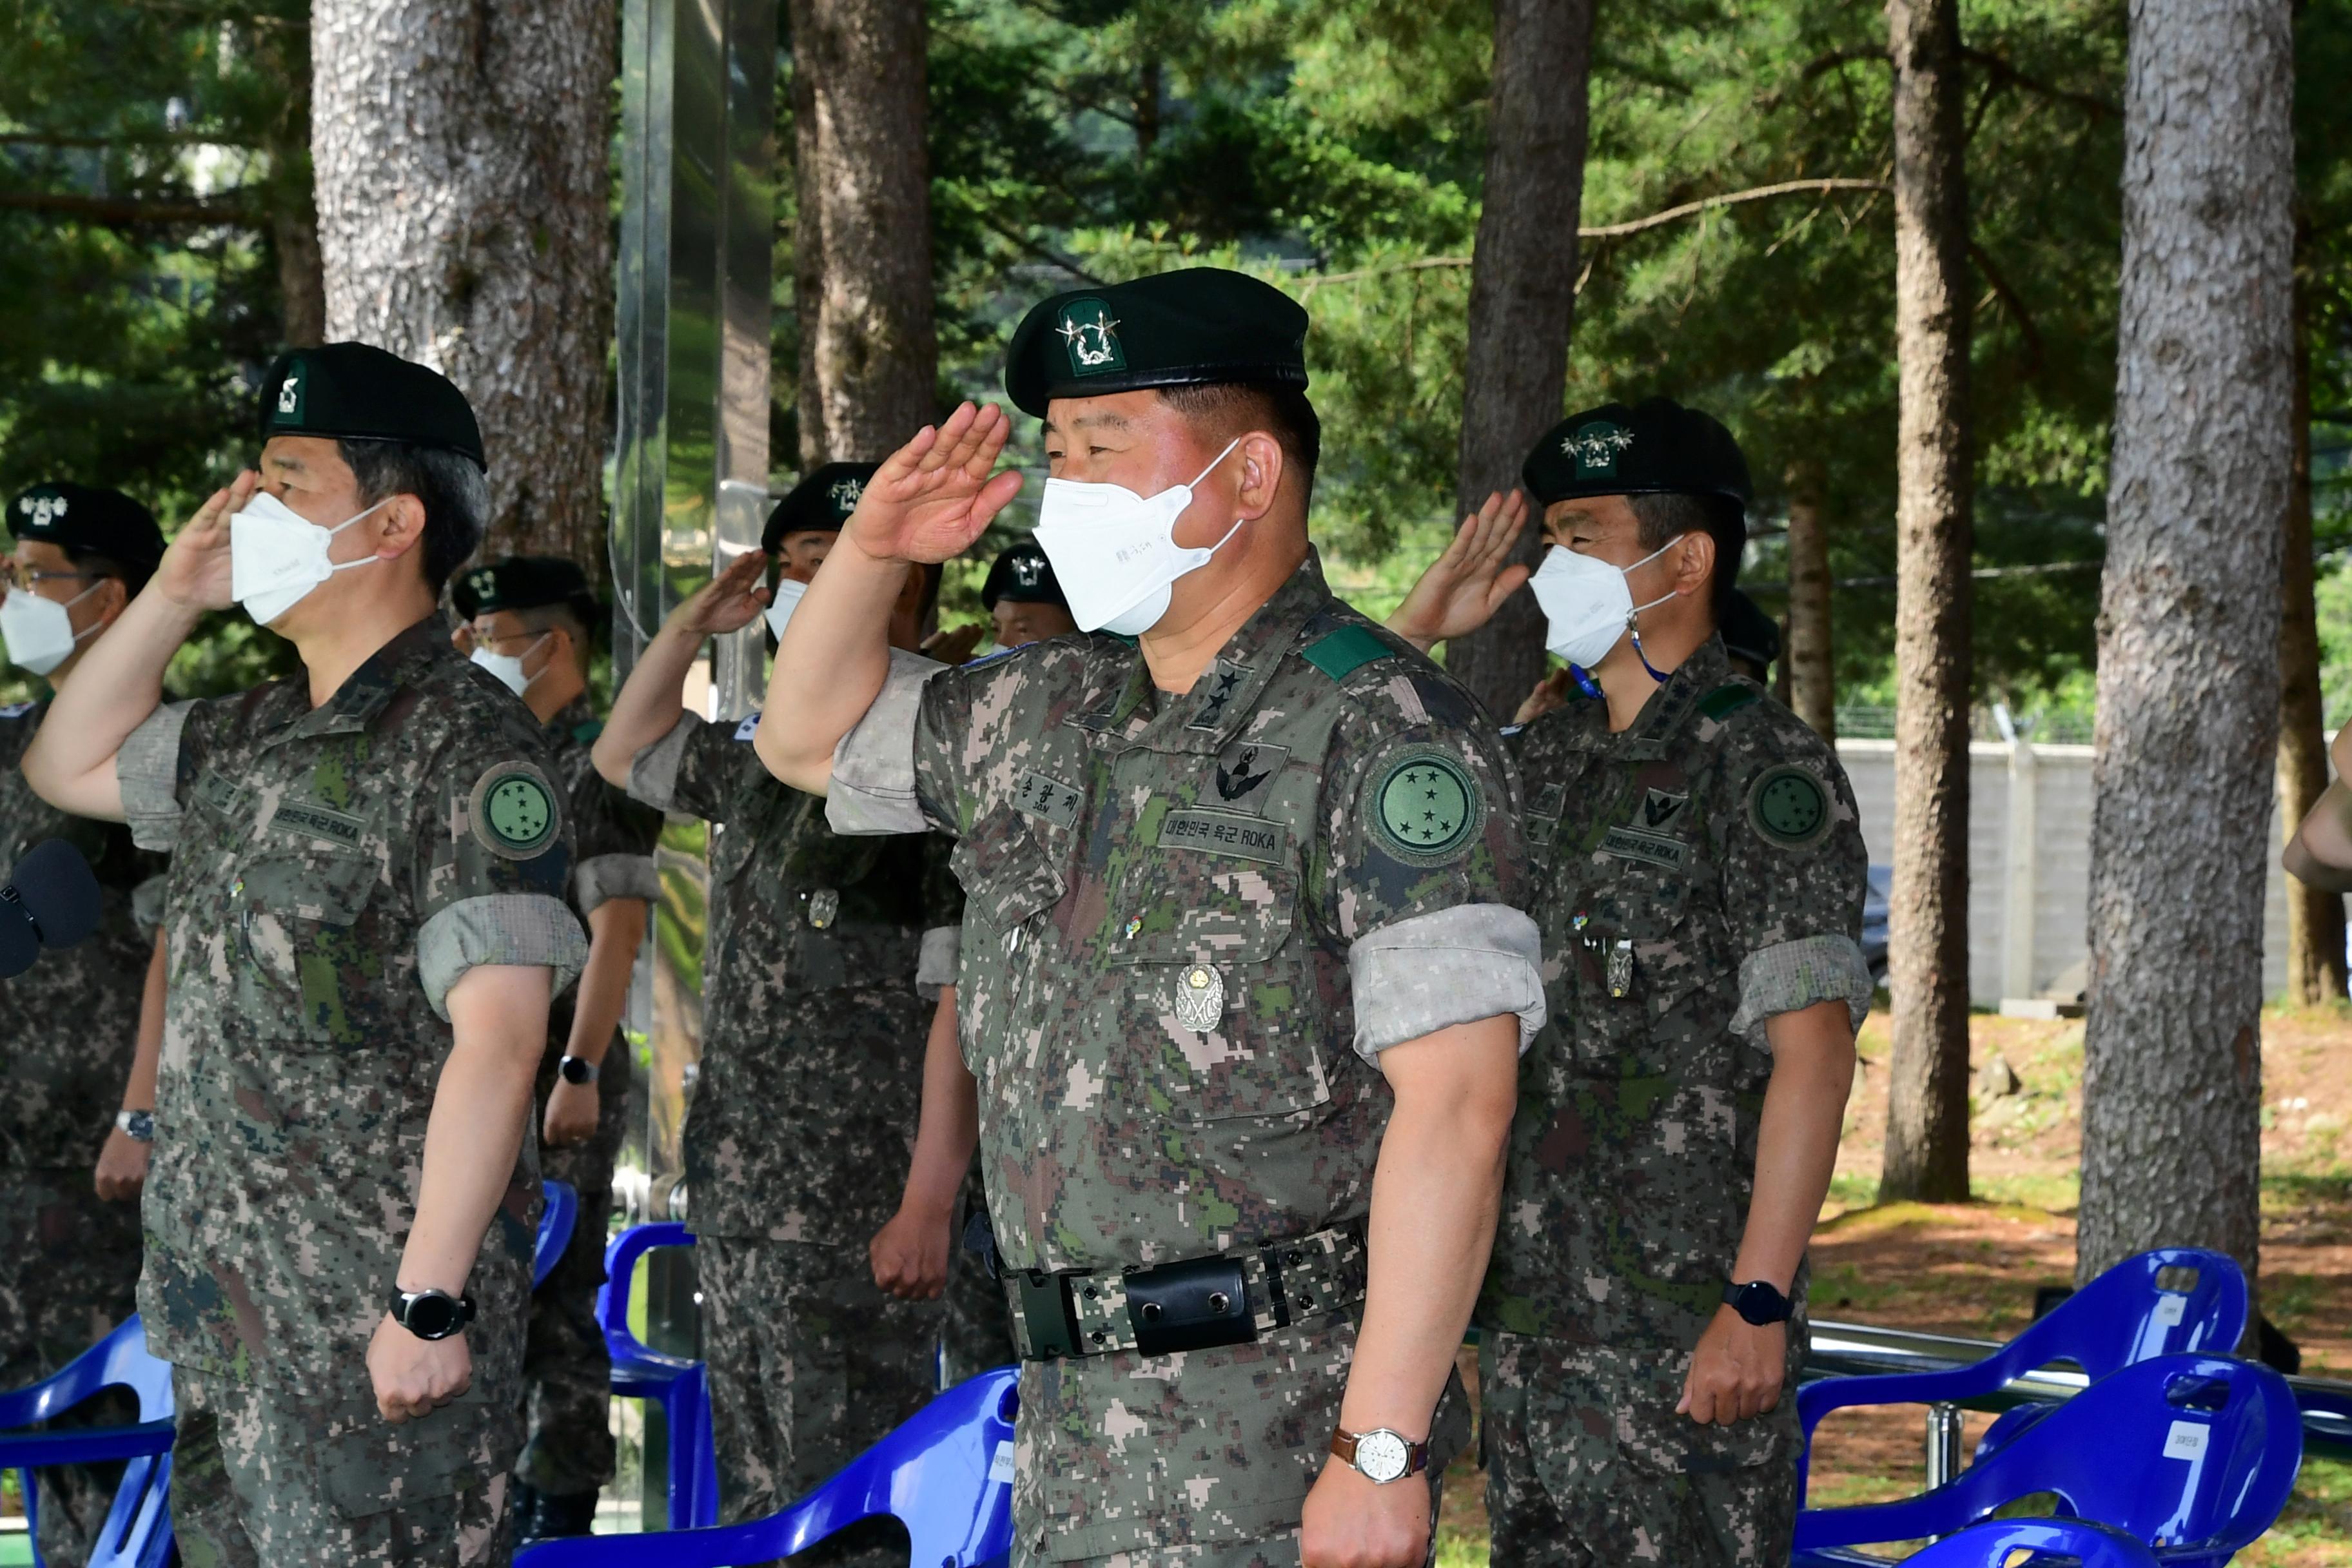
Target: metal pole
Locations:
point(1943, 1434)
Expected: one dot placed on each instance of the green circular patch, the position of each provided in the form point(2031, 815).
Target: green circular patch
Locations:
point(514, 812)
point(1789, 806)
point(1428, 806)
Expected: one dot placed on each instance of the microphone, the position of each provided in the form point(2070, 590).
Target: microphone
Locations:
point(51, 901)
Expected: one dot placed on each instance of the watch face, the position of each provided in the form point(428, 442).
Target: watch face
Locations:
point(575, 1070)
point(1382, 1456)
point(432, 1317)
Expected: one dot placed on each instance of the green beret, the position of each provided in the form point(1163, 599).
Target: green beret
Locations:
point(1022, 575)
point(1198, 327)
point(820, 503)
point(359, 392)
point(88, 517)
point(523, 583)
point(1748, 633)
point(1657, 447)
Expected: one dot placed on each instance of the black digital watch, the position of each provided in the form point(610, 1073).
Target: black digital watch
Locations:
point(431, 1314)
point(1759, 1302)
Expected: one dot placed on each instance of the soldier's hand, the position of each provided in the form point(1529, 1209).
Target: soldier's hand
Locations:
point(1351, 1522)
point(194, 572)
point(953, 645)
point(728, 602)
point(572, 1112)
point(1736, 1372)
point(910, 1255)
point(415, 1377)
point(122, 1168)
point(1550, 692)
point(1463, 588)
point(936, 495)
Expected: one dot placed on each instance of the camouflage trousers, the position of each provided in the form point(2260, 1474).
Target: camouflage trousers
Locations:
point(1281, 1551)
point(567, 1374)
point(978, 1331)
point(261, 1476)
point(68, 1267)
point(1587, 1463)
point(809, 1364)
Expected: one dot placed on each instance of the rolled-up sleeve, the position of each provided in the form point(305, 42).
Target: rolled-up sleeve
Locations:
point(1450, 966)
point(936, 959)
point(609, 877)
point(873, 787)
point(1789, 976)
point(147, 771)
point(654, 772)
point(527, 928)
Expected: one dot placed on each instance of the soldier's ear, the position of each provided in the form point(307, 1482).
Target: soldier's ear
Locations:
point(1694, 560)
point(1261, 461)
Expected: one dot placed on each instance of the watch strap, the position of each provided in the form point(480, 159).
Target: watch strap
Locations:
point(578, 1069)
point(402, 1300)
point(139, 1126)
point(1736, 1294)
point(1344, 1444)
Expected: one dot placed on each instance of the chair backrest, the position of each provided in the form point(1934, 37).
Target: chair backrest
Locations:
point(120, 1360)
point(558, 1214)
point(2192, 1453)
point(620, 1256)
point(138, 1529)
point(2162, 1302)
point(1990, 1545)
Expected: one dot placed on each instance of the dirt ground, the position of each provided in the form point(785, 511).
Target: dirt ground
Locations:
point(1972, 1268)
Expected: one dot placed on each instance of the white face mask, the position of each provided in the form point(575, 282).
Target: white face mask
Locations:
point(780, 607)
point(1116, 552)
point(1588, 603)
point(277, 555)
point(39, 632)
point(508, 668)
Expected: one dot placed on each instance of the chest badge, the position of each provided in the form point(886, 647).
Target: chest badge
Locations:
point(1620, 968)
point(1200, 1000)
point(824, 906)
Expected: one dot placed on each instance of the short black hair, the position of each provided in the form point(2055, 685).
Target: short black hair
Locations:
point(98, 565)
point(572, 619)
point(1662, 516)
point(1232, 407)
point(456, 494)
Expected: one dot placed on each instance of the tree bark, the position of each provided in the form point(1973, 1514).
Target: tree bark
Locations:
point(1522, 301)
point(2315, 917)
point(808, 264)
point(858, 68)
point(284, 53)
point(1812, 686)
point(461, 156)
point(1928, 953)
point(2189, 634)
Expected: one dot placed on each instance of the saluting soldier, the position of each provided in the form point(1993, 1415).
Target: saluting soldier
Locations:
point(1245, 982)
point(366, 921)
point(820, 956)
point(529, 620)
point(1699, 883)
point(78, 554)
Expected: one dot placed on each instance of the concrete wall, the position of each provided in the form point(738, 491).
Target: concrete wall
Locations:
point(2041, 859)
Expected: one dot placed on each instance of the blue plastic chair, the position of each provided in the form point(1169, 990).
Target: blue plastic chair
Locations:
point(2075, 1540)
point(2192, 1455)
point(138, 1532)
point(2120, 1317)
point(678, 1385)
point(557, 1216)
point(946, 1474)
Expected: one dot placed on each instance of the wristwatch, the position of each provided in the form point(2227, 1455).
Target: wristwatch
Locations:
point(576, 1070)
point(139, 1126)
point(1758, 1302)
point(431, 1314)
point(1380, 1455)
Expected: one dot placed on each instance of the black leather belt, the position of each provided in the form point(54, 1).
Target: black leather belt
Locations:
point(1224, 1299)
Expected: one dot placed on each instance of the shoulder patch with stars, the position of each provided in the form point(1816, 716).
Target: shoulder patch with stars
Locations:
point(512, 811)
point(1788, 806)
point(1427, 807)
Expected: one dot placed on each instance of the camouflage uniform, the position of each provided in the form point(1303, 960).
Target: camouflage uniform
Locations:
point(803, 1118)
point(1696, 874)
point(71, 1258)
point(1194, 923)
point(334, 873)
point(564, 1365)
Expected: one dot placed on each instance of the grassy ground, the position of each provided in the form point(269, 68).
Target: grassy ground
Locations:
point(1972, 1268)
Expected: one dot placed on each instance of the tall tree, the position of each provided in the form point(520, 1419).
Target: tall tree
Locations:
point(2189, 634)
point(1807, 662)
point(1927, 951)
point(870, 349)
point(1522, 299)
point(461, 153)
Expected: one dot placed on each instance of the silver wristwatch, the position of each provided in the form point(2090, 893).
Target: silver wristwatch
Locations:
point(139, 1126)
point(1380, 1455)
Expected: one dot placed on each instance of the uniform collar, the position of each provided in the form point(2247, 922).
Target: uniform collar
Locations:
point(1222, 700)
point(400, 663)
point(1660, 725)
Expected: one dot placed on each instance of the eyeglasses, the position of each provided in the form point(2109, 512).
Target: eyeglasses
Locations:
point(16, 575)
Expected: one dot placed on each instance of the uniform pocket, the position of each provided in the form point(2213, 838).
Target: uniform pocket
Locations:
point(297, 923)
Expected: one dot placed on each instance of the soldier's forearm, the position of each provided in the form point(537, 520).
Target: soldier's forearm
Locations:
point(1435, 1194)
point(830, 666)
point(2324, 841)
point(648, 703)
point(1796, 1139)
point(949, 1126)
point(616, 928)
point(475, 1131)
point(139, 1093)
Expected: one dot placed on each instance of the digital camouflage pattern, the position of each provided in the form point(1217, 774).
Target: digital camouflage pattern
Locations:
point(567, 1372)
point(334, 872)
point(1132, 861)
point(1588, 1466)
point(71, 1258)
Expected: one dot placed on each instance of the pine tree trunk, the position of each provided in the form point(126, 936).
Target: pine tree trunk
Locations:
point(864, 171)
point(808, 265)
point(1522, 301)
point(2315, 917)
point(2189, 634)
point(461, 154)
point(1813, 684)
point(284, 54)
point(1927, 951)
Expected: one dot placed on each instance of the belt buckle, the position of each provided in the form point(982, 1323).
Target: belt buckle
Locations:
point(1191, 1306)
point(1048, 1320)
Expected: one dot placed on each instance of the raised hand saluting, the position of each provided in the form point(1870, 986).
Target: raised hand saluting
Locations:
point(1463, 588)
point(936, 494)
